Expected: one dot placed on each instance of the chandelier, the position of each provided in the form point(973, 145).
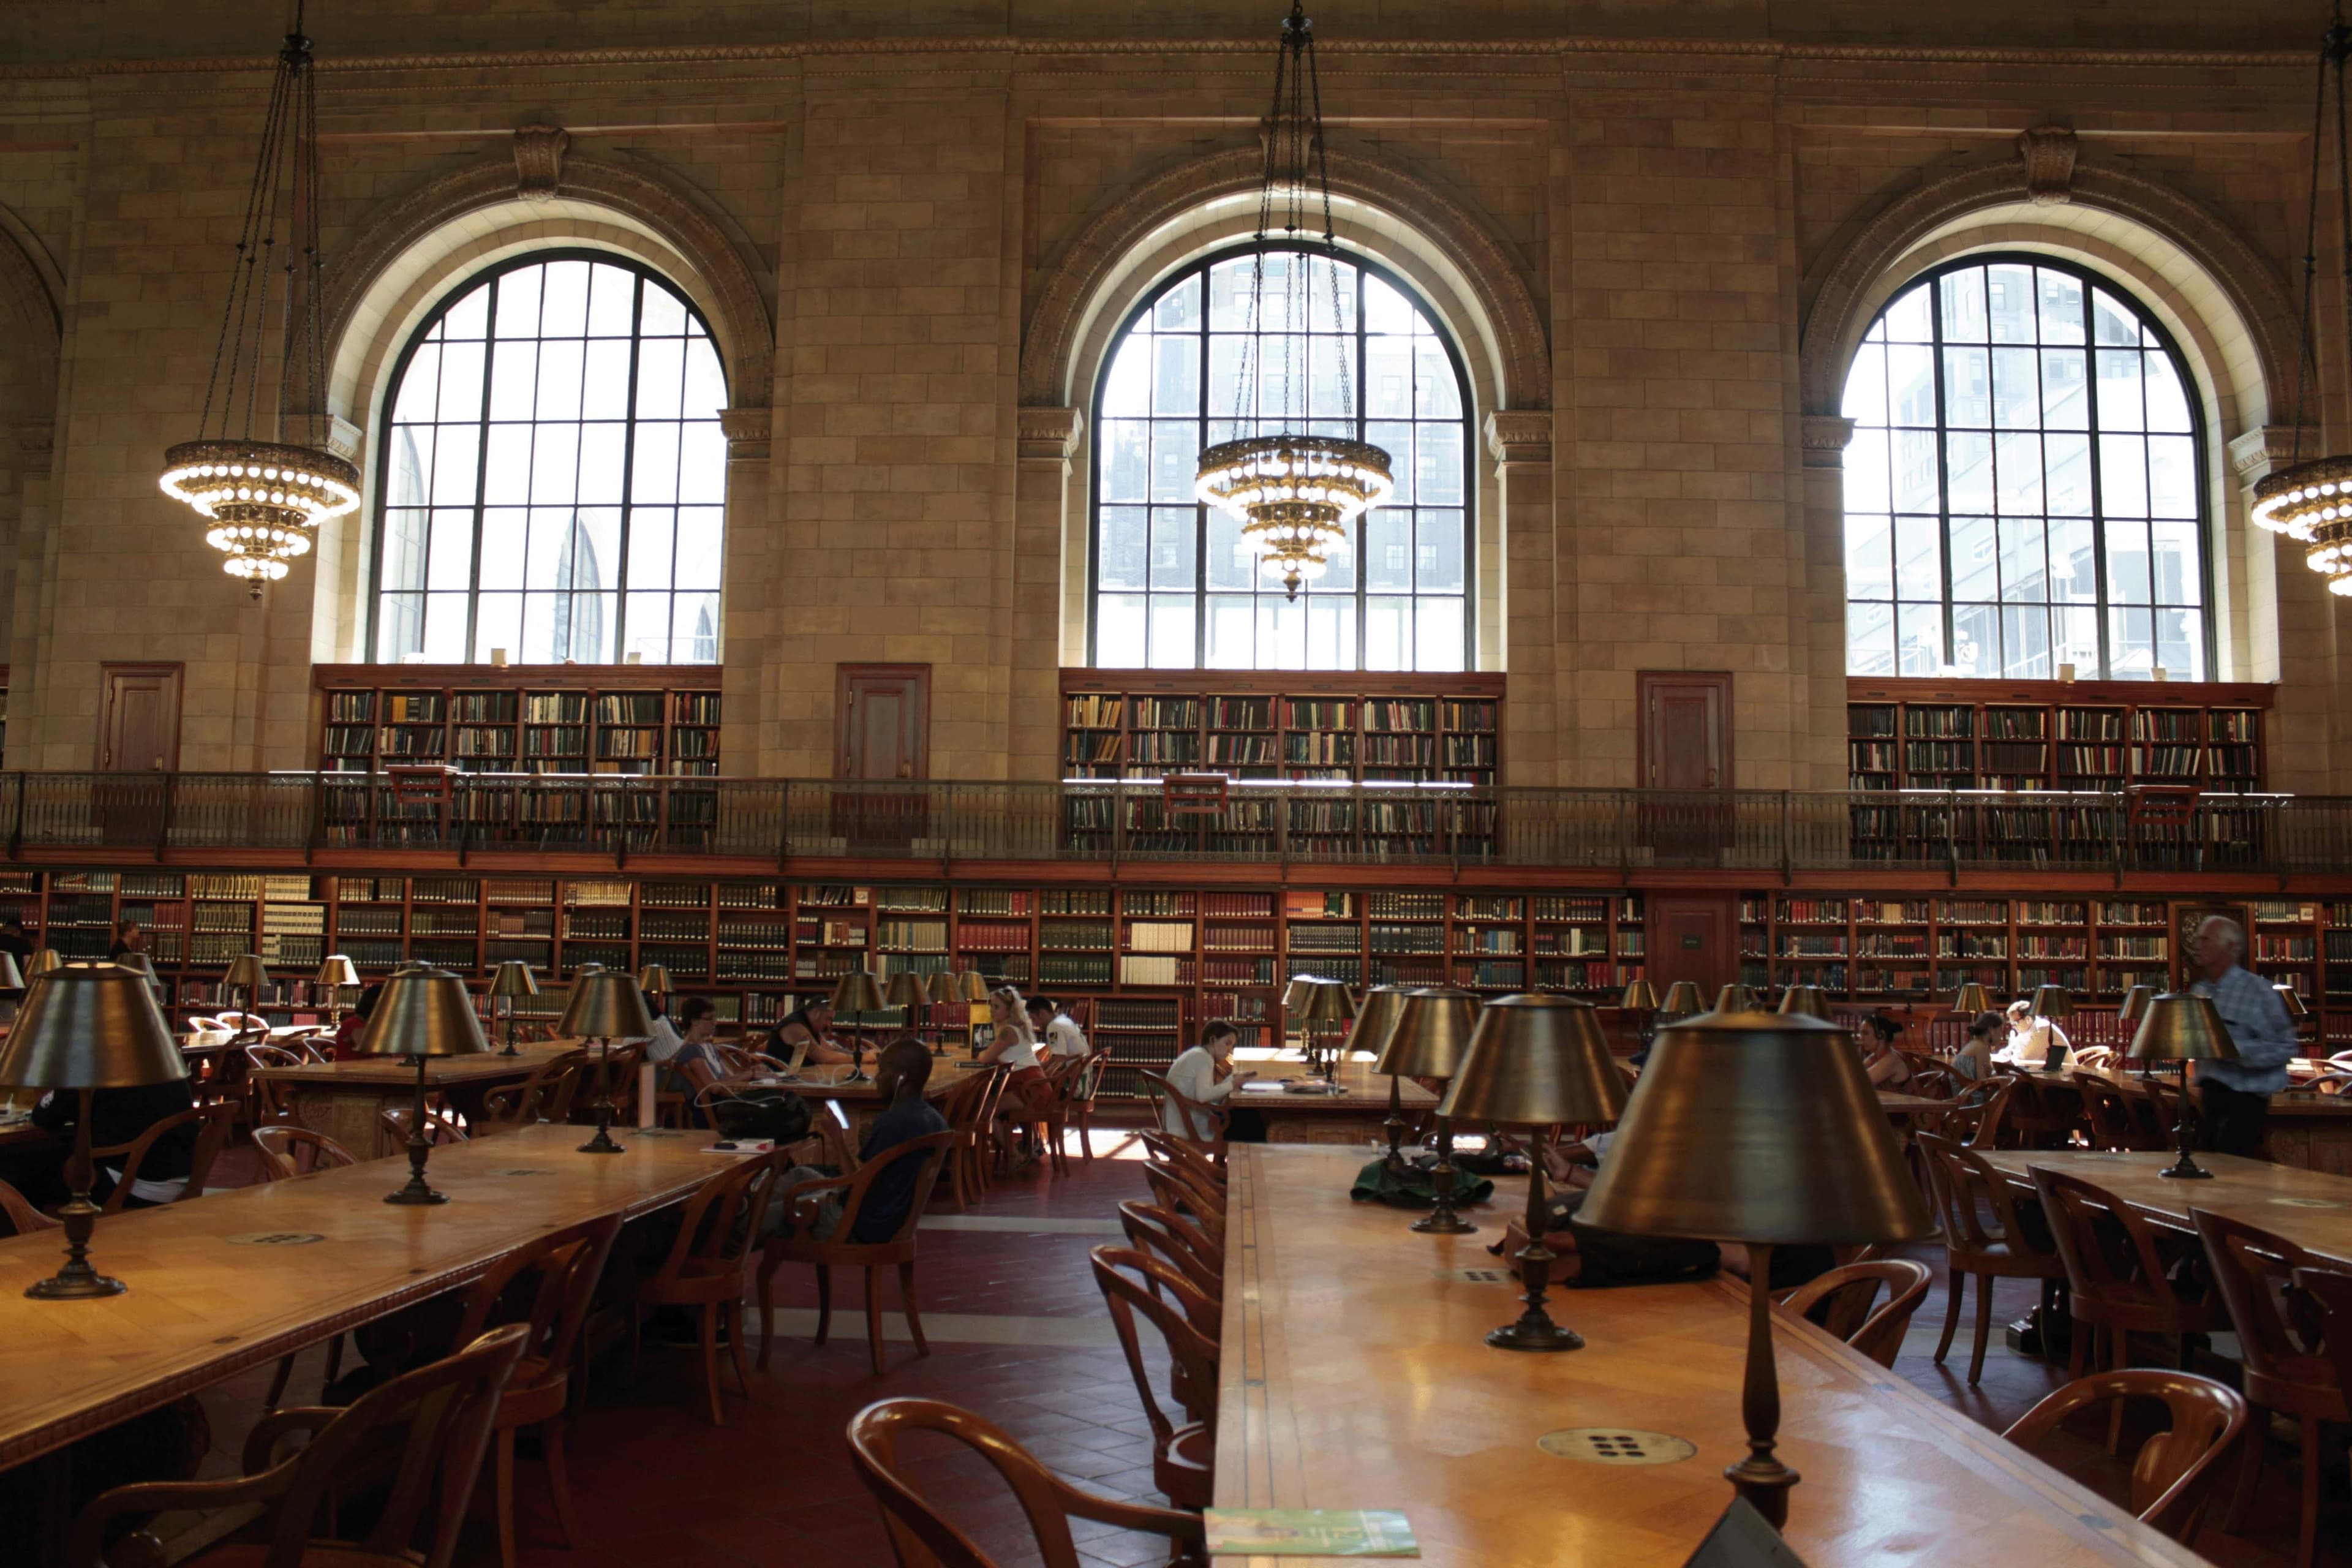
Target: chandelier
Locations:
point(1293, 493)
point(262, 495)
point(2311, 502)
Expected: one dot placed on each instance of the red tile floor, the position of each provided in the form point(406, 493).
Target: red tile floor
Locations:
point(656, 1484)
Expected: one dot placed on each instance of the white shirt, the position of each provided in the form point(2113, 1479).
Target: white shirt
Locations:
point(1193, 1074)
point(1020, 1045)
point(2028, 1044)
point(1064, 1036)
point(662, 1043)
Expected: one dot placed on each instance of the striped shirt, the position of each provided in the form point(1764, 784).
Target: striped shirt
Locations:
point(2258, 1023)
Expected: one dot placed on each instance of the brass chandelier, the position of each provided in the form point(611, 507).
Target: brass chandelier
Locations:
point(1293, 493)
point(263, 495)
point(2311, 501)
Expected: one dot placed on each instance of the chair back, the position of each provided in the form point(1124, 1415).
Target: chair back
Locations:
point(1192, 1354)
point(1972, 1202)
point(1150, 1228)
point(440, 1127)
point(439, 1416)
point(21, 1217)
point(2110, 1254)
point(1204, 1167)
point(1992, 1115)
point(1840, 1301)
point(546, 1288)
point(2112, 1124)
point(2327, 1294)
point(2279, 1334)
point(287, 1151)
point(923, 1537)
point(931, 1151)
point(721, 1218)
point(961, 1104)
point(1175, 1112)
point(2173, 1475)
point(545, 1096)
point(267, 1098)
point(1175, 1191)
point(1095, 1068)
point(213, 1124)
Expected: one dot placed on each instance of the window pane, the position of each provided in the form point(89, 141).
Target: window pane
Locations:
point(1332, 631)
point(1438, 564)
point(1174, 546)
point(1968, 389)
point(1122, 551)
point(2066, 461)
point(2176, 565)
point(1975, 637)
point(1178, 309)
point(2131, 644)
point(404, 534)
point(1438, 622)
point(1281, 633)
point(1175, 459)
point(451, 561)
point(1864, 400)
point(1964, 305)
point(2180, 644)
point(2065, 399)
point(2025, 642)
point(1171, 631)
point(702, 546)
point(2017, 466)
point(2171, 476)
point(1969, 470)
point(694, 628)
point(2016, 389)
point(498, 627)
point(1976, 565)
point(1918, 558)
point(2073, 561)
point(2168, 404)
point(1870, 557)
point(2061, 306)
point(2009, 303)
point(399, 626)
point(2120, 407)
point(1866, 471)
point(2126, 543)
point(1232, 563)
point(1437, 465)
point(1119, 623)
point(2123, 475)
point(506, 532)
point(1870, 639)
point(1919, 643)
point(1918, 478)
point(1126, 467)
point(1388, 632)
point(1388, 552)
point(1911, 384)
point(1232, 617)
point(2076, 629)
point(445, 629)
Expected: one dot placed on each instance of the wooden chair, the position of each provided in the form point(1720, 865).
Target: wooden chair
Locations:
point(1183, 1458)
point(1206, 1164)
point(213, 1124)
point(2117, 1281)
point(545, 1096)
point(784, 1246)
point(2174, 1473)
point(2095, 1056)
point(1077, 1111)
point(2044, 1112)
point(2113, 1126)
point(705, 1266)
point(289, 1151)
point(1840, 1301)
point(1062, 1074)
point(440, 1126)
point(923, 1537)
point(436, 1420)
point(2288, 1368)
point(1175, 1190)
point(1986, 1238)
point(1152, 1230)
point(1165, 1098)
point(546, 1288)
point(1991, 1124)
point(968, 1108)
point(265, 1099)
point(23, 1218)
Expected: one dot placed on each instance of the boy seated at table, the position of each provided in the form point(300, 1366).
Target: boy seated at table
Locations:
point(901, 1074)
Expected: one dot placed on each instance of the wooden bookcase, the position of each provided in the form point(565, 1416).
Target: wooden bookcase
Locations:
point(2053, 736)
point(520, 719)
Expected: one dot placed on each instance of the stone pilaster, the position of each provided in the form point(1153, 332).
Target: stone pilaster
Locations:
point(1520, 441)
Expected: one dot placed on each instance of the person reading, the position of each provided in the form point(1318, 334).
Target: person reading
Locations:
point(1056, 1029)
point(1205, 1076)
point(1028, 1097)
point(810, 1026)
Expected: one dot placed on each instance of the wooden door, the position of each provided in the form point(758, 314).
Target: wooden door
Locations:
point(884, 725)
point(1691, 936)
point(139, 734)
point(1685, 729)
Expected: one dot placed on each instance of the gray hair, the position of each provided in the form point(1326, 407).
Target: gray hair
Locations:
point(2225, 930)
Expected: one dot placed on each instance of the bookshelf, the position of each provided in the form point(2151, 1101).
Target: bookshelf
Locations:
point(2053, 736)
point(520, 719)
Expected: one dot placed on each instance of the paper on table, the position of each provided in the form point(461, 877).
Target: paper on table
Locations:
point(1262, 1086)
point(1309, 1532)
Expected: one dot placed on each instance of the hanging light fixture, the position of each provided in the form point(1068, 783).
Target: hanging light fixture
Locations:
point(1293, 493)
point(262, 494)
point(2311, 501)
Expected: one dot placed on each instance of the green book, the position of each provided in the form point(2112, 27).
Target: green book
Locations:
point(1309, 1532)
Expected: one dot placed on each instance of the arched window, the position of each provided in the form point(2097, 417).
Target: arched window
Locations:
point(2025, 487)
point(1174, 587)
point(553, 477)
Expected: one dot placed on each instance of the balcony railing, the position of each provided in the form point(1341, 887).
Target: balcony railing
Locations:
point(1749, 831)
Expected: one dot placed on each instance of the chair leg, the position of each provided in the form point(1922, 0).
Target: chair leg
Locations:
point(636, 1337)
point(1951, 1315)
point(710, 1361)
point(505, 1497)
point(735, 1327)
point(823, 1302)
point(2084, 1338)
point(2307, 1529)
point(767, 1311)
point(873, 1319)
point(1984, 1329)
point(278, 1384)
point(334, 1363)
point(559, 1477)
point(2249, 1467)
point(906, 1301)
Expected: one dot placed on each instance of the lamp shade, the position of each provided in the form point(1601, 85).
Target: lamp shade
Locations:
point(337, 970)
point(942, 989)
point(856, 995)
point(1430, 1035)
point(1639, 996)
point(1805, 1002)
point(654, 978)
point(2053, 1001)
point(1326, 1002)
point(2135, 1003)
point(11, 977)
point(89, 1025)
point(972, 986)
point(514, 979)
point(1682, 1000)
point(1971, 999)
point(2292, 1000)
point(907, 990)
point(423, 1012)
point(605, 1005)
point(138, 963)
point(1535, 1061)
point(1735, 998)
point(247, 972)
point(1758, 1127)
point(2181, 1027)
point(43, 962)
point(1294, 996)
point(1376, 1018)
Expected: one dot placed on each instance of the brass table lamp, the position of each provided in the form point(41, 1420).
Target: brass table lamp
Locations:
point(854, 996)
point(1760, 1128)
point(973, 985)
point(2182, 1026)
point(1682, 1001)
point(1376, 1018)
point(87, 1026)
point(605, 1006)
point(424, 1013)
point(1323, 1015)
point(1805, 1002)
point(653, 979)
point(1641, 998)
point(1428, 1039)
point(11, 977)
point(1537, 1062)
point(1971, 999)
point(42, 962)
point(2053, 1001)
point(512, 983)
point(248, 976)
point(2134, 1004)
point(337, 975)
point(908, 992)
point(1735, 998)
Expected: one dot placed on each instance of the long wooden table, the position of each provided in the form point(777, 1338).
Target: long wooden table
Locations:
point(1355, 1375)
point(240, 1277)
point(346, 1100)
point(2309, 1207)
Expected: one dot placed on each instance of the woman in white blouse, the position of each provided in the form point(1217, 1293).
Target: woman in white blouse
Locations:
point(1028, 1097)
point(1200, 1076)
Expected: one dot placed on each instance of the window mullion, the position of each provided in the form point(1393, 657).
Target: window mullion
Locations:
point(2098, 480)
point(481, 474)
point(1943, 474)
point(628, 476)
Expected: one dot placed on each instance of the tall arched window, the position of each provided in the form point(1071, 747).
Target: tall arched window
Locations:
point(553, 477)
point(1174, 586)
point(2025, 487)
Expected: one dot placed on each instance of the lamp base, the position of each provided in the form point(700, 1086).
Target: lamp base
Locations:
point(416, 1193)
point(1764, 1483)
point(2188, 1170)
point(1442, 1220)
point(69, 1284)
point(602, 1143)
point(1536, 1332)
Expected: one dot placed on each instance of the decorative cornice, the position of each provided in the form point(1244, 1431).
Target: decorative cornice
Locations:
point(1049, 435)
point(747, 335)
point(2048, 154)
point(345, 439)
point(538, 161)
point(2256, 455)
point(1824, 438)
point(1496, 276)
point(749, 432)
point(1519, 434)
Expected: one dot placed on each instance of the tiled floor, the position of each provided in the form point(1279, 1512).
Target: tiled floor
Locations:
point(1018, 1334)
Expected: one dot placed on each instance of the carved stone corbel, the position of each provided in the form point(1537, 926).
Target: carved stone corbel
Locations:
point(1825, 438)
point(2260, 453)
point(538, 161)
point(749, 433)
point(1519, 434)
point(1049, 435)
point(2048, 153)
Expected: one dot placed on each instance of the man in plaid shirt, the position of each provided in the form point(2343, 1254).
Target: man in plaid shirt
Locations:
point(2234, 1097)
